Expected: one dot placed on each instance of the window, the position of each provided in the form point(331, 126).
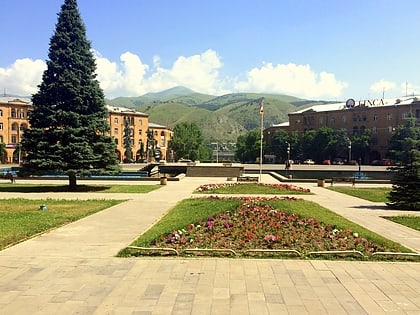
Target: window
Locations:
point(332, 120)
point(116, 140)
point(406, 115)
point(1, 139)
point(116, 120)
point(389, 116)
point(355, 130)
point(14, 139)
point(140, 122)
point(1, 127)
point(14, 127)
point(390, 129)
point(375, 117)
point(1, 113)
point(140, 132)
point(115, 131)
point(13, 113)
point(344, 119)
point(374, 129)
point(321, 120)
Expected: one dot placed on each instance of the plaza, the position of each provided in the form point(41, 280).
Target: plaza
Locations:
point(73, 269)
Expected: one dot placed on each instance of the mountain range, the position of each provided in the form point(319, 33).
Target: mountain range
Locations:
point(221, 118)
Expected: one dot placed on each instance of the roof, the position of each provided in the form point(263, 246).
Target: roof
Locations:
point(119, 109)
point(153, 125)
point(361, 103)
point(13, 99)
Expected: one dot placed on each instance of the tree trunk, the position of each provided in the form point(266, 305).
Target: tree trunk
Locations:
point(72, 181)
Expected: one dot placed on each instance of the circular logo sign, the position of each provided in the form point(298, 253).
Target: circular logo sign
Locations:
point(350, 103)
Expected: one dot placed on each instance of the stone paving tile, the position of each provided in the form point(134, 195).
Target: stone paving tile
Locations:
point(43, 277)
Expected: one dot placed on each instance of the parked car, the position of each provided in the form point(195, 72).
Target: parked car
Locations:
point(308, 161)
point(326, 162)
point(381, 162)
point(338, 162)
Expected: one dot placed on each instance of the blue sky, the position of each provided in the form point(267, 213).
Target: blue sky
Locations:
point(315, 49)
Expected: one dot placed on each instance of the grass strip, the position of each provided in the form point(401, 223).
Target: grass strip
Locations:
point(21, 219)
point(34, 188)
point(374, 194)
point(410, 221)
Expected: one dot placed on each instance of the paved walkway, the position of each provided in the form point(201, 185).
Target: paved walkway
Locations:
point(72, 270)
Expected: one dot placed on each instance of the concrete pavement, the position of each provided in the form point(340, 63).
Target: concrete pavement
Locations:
point(73, 269)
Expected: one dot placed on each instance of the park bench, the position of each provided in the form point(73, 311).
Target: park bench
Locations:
point(351, 180)
point(247, 179)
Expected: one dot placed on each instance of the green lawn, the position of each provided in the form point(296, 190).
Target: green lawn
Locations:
point(410, 221)
point(374, 194)
point(22, 218)
point(33, 188)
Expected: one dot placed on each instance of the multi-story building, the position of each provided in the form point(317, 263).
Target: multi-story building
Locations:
point(14, 120)
point(380, 116)
point(139, 127)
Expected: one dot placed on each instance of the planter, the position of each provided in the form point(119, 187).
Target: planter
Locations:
point(163, 180)
point(321, 182)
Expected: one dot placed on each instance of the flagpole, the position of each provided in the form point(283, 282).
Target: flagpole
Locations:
point(261, 143)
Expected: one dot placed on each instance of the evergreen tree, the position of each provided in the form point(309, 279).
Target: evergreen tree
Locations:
point(2, 151)
point(127, 141)
point(69, 130)
point(405, 152)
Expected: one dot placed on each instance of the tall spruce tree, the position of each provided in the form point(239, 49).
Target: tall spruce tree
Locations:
point(404, 148)
point(69, 130)
point(127, 141)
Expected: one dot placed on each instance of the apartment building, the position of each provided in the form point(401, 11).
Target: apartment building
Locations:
point(139, 126)
point(14, 120)
point(380, 116)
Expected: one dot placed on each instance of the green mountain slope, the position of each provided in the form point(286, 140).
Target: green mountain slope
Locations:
point(221, 118)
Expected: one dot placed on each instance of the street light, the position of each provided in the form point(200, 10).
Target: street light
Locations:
point(217, 151)
point(349, 150)
point(288, 157)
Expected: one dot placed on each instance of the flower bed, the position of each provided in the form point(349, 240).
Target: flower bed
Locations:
point(251, 188)
point(256, 224)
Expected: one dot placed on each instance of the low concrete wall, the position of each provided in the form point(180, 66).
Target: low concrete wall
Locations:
point(214, 171)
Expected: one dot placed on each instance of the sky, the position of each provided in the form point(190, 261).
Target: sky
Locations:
point(311, 49)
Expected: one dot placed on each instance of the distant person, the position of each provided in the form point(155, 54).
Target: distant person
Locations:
point(11, 177)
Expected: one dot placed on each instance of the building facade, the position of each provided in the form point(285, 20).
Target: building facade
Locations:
point(380, 116)
point(14, 121)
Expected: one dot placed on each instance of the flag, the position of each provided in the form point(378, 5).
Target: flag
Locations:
point(261, 105)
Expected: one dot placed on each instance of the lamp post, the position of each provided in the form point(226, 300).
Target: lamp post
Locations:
point(349, 151)
point(217, 151)
point(288, 157)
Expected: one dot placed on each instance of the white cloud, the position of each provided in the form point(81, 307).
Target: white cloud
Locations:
point(409, 89)
point(291, 79)
point(383, 86)
point(130, 76)
point(22, 77)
